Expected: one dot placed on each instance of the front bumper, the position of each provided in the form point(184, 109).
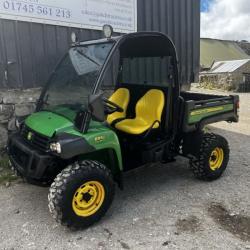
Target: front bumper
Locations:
point(29, 162)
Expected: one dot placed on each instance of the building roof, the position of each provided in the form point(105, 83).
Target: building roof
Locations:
point(227, 66)
point(212, 50)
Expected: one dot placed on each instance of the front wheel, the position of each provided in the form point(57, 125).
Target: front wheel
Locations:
point(81, 194)
point(212, 159)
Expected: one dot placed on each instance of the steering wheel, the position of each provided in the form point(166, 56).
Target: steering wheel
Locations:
point(111, 107)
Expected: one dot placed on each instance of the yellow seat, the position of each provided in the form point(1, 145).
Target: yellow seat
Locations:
point(120, 97)
point(148, 114)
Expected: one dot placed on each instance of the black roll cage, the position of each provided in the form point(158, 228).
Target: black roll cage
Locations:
point(120, 40)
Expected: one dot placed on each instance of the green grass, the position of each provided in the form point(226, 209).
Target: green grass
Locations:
point(6, 174)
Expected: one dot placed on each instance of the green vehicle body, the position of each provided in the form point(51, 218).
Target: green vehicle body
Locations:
point(101, 138)
point(190, 112)
point(200, 114)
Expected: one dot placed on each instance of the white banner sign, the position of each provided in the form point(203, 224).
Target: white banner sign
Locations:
point(89, 14)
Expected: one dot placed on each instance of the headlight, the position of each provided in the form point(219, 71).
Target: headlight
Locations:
point(56, 147)
point(107, 30)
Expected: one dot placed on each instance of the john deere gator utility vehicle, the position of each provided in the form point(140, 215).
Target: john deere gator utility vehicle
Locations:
point(110, 106)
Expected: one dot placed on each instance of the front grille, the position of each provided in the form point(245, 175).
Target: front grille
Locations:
point(20, 157)
point(33, 138)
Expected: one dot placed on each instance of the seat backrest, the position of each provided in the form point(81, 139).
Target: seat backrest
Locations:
point(151, 105)
point(121, 97)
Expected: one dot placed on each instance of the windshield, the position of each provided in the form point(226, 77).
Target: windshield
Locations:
point(74, 79)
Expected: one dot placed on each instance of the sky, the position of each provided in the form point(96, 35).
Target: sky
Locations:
point(205, 5)
point(225, 19)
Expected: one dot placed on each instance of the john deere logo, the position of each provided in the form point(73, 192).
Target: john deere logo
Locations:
point(99, 138)
point(29, 136)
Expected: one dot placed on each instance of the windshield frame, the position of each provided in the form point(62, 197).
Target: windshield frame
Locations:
point(40, 101)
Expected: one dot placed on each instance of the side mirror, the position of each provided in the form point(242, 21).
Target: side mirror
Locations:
point(96, 107)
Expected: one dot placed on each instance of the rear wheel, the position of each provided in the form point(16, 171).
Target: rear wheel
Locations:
point(212, 159)
point(81, 194)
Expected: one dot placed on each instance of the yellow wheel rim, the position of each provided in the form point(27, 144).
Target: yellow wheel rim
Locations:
point(88, 198)
point(216, 159)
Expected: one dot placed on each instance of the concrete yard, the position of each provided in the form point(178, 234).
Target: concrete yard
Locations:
point(162, 207)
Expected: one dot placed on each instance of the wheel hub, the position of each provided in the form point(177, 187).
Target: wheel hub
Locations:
point(88, 198)
point(216, 159)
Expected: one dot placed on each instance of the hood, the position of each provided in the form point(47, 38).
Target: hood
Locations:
point(47, 123)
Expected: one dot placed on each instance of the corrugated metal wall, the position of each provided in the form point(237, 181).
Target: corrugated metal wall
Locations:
point(29, 51)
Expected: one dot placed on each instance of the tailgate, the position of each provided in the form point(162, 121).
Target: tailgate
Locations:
point(199, 113)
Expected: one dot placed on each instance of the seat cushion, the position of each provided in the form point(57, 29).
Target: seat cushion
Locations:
point(150, 106)
point(135, 126)
point(120, 97)
point(148, 111)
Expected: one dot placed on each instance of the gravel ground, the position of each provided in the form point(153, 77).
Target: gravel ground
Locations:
point(162, 207)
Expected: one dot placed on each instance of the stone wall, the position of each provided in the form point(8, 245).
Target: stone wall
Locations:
point(224, 81)
point(15, 103)
point(217, 81)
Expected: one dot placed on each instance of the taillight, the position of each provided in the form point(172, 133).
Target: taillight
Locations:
point(238, 106)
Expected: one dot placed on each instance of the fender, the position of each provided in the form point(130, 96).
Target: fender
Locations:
point(73, 145)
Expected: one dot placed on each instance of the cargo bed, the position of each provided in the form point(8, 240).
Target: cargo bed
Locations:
point(201, 109)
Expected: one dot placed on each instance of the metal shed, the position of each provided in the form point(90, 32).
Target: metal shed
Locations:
point(29, 51)
point(227, 66)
